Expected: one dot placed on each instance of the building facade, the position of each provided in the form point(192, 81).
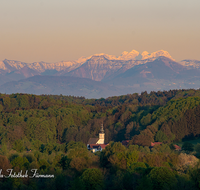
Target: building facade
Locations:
point(97, 144)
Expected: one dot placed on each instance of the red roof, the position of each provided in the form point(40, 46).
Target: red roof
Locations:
point(94, 145)
point(177, 147)
point(103, 145)
point(155, 143)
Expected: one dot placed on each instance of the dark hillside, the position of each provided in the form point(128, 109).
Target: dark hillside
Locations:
point(65, 85)
point(65, 118)
point(50, 133)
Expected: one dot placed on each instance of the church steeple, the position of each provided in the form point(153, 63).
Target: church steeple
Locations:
point(101, 135)
point(101, 130)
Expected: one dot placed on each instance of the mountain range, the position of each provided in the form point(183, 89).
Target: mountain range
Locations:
point(100, 75)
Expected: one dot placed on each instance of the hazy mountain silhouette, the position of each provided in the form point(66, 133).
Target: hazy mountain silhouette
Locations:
point(118, 75)
point(65, 85)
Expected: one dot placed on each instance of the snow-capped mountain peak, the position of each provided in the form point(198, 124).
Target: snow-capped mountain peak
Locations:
point(147, 55)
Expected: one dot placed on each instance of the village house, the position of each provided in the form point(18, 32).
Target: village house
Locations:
point(155, 143)
point(97, 144)
point(176, 147)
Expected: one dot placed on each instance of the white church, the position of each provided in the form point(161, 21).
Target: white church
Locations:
point(97, 144)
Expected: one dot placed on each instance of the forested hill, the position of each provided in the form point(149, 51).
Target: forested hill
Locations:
point(159, 116)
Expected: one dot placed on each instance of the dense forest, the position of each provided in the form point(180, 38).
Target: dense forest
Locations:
point(50, 133)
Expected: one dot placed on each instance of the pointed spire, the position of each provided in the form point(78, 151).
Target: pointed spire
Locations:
point(101, 130)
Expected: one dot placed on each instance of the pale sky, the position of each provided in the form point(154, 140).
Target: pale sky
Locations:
point(56, 30)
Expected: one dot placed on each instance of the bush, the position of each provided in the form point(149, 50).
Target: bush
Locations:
point(162, 177)
point(92, 179)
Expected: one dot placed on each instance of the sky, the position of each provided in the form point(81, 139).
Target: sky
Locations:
point(63, 30)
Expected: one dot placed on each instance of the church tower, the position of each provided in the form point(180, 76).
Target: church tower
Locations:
point(101, 135)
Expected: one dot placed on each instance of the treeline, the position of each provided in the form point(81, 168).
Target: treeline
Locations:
point(177, 120)
point(166, 116)
point(50, 133)
point(153, 98)
point(115, 168)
